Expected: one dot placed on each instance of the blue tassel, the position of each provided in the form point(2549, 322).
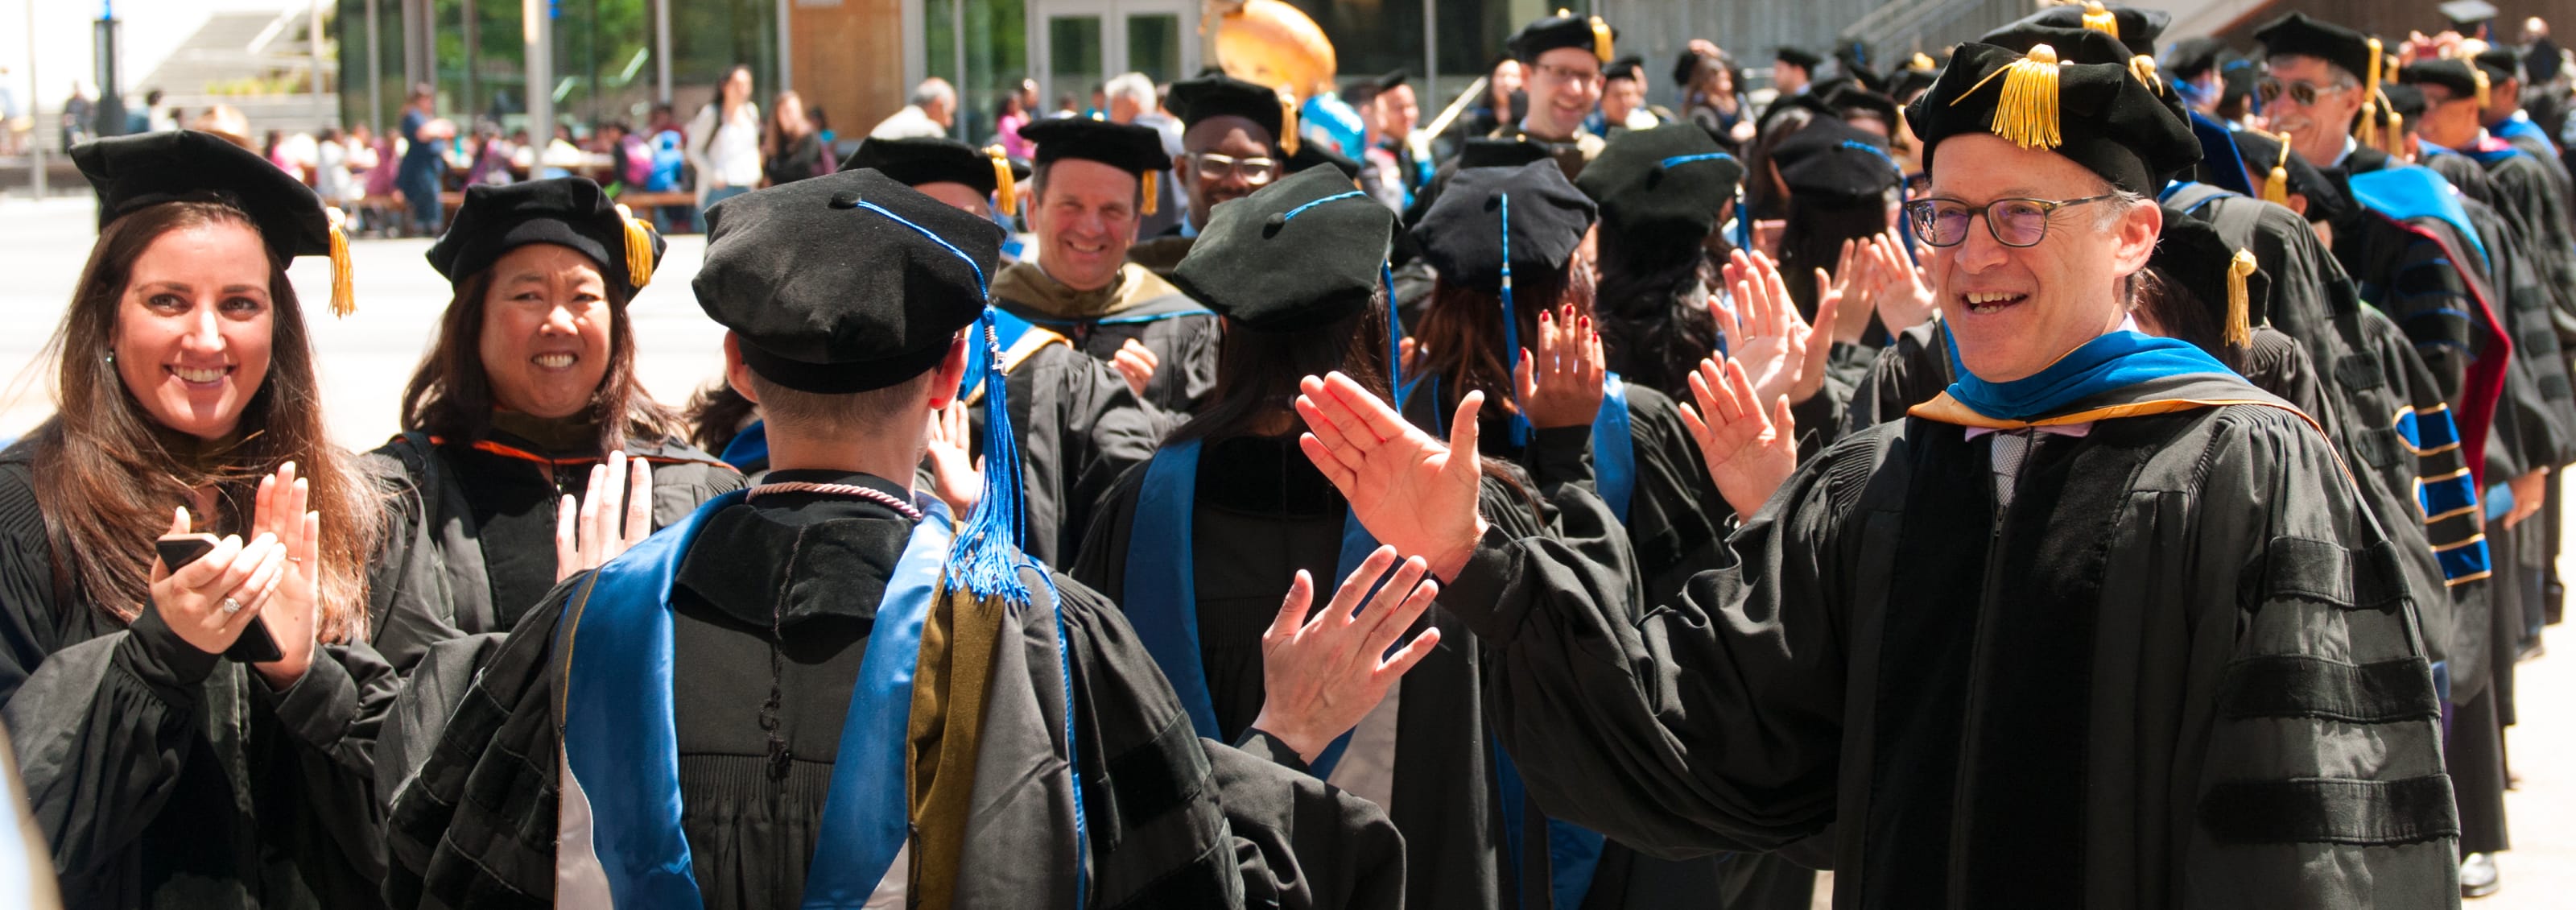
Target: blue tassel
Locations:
point(1511, 323)
point(986, 558)
point(1394, 337)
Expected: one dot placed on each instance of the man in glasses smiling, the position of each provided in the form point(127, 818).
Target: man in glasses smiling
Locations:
point(1231, 144)
point(2101, 625)
point(1563, 55)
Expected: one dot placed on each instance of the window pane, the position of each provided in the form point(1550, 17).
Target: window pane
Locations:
point(1073, 60)
point(1154, 46)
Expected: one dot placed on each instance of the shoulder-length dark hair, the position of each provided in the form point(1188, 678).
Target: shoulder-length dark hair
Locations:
point(1813, 238)
point(1654, 318)
point(1462, 328)
point(450, 396)
point(110, 480)
point(1257, 372)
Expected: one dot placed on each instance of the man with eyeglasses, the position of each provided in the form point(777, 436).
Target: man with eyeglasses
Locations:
point(1562, 55)
point(1231, 133)
point(2103, 625)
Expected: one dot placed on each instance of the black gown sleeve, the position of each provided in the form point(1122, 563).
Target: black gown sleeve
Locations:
point(1586, 689)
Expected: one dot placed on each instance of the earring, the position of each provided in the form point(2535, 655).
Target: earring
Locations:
point(111, 357)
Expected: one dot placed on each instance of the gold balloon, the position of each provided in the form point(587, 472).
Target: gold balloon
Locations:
point(1274, 44)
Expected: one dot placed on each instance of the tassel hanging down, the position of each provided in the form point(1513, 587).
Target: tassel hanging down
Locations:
point(2240, 331)
point(1149, 182)
point(2144, 67)
point(1287, 124)
point(344, 295)
point(2276, 186)
point(1601, 46)
point(639, 248)
point(2371, 101)
point(2481, 77)
point(1005, 184)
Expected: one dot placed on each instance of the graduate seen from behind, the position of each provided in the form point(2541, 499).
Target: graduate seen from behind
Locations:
point(1094, 181)
point(2102, 624)
point(193, 732)
point(828, 690)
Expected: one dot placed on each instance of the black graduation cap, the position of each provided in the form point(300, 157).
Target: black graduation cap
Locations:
point(1491, 152)
point(1686, 67)
point(2468, 14)
point(1849, 99)
point(2279, 171)
point(1856, 68)
point(2136, 28)
point(2224, 278)
point(1627, 67)
point(2459, 77)
point(2501, 62)
point(930, 159)
point(1199, 100)
point(132, 173)
point(1462, 235)
point(1564, 29)
point(2296, 33)
point(1393, 80)
point(2190, 57)
point(1296, 255)
point(1660, 190)
point(1798, 57)
point(2072, 44)
point(845, 282)
point(565, 211)
point(1916, 75)
point(1135, 149)
point(2099, 115)
point(1837, 161)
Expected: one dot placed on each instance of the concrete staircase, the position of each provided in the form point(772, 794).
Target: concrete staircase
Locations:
point(233, 46)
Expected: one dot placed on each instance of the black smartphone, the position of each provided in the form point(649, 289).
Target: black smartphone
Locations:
point(255, 645)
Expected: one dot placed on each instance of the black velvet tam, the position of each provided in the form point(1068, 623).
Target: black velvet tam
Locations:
point(1207, 97)
point(132, 173)
point(916, 161)
point(1462, 235)
point(2103, 117)
point(2296, 33)
point(1296, 255)
point(1125, 146)
point(2137, 28)
point(566, 211)
point(1660, 190)
point(1563, 30)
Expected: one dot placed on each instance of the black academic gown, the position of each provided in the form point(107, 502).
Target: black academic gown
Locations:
point(1138, 305)
point(2179, 670)
point(1262, 513)
point(164, 776)
point(1079, 427)
point(1172, 820)
point(473, 546)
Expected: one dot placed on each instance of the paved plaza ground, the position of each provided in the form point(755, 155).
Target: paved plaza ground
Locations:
point(366, 358)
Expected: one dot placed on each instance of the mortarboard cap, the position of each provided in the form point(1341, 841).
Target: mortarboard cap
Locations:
point(2460, 78)
point(1138, 150)
point(1318, 154)
point(1850, 99)
point(2279, 171)
point(1916, 75)
point(2501, 61)
point(2297, 33)
point(1393, 80)
point(569, 212)
point(1798, 57)
point(913, 162)
point(2100, 116)
point(1461, 236)
point(845, 282)
point(132, 173)
point(1660, 190)
point(1837, 161)
point(2225, 279)
point(1297, 255)
point(1207, 97)
point(2468, 13)
point(2190, 57)
point(1565, 29)
point(1628, 67)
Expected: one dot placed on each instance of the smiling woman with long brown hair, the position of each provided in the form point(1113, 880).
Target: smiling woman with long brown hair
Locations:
point(527, 398)
point(162, 772)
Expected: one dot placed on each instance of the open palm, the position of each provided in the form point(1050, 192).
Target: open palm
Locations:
point(1406, 488)
point(1749, 454)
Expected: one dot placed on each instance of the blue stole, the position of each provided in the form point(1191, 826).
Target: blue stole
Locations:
point(1161, 602)
point(2410, 191)
point(2518, 126)
point(1614, 446)
point(749, 449)
point(2114, 361)
point(621, 743)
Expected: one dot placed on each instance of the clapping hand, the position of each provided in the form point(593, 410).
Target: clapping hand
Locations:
point(588, 531)
point(1135, 363)
point(1749, 453)
point(1321, 676)
point(1560, 384)
point(1900, 289)
point(954, 476)
point(1407, 489)
point(1782, 353)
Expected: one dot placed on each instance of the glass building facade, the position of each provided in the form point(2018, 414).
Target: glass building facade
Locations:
point(605, 55)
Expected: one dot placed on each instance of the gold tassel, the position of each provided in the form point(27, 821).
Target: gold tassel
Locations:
point(2100, 19)
point(344, 294)
point(2240, 331)
point(2026, 113)
point(2276, 187)
point(1005, 185)
point(2396, 134)
point(1287, 124)
point(2144, 67)
point(1601, 39)
point(1923, 62)
point(2481, 77)
point(1148, 182)
point(639, 248)
point(2370, 99)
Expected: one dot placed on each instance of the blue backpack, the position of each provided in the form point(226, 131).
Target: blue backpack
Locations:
point(669, 161)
